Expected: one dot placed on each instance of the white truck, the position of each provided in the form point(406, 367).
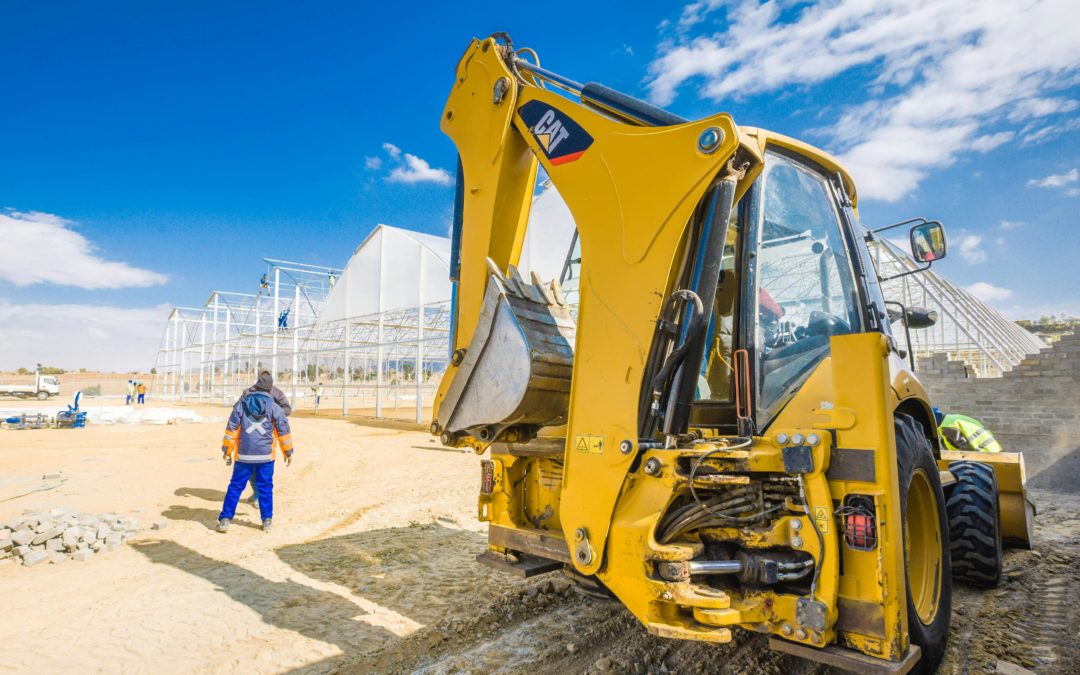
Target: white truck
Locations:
point(42, 388)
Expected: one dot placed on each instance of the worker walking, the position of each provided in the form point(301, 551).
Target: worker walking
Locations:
point(256, 429)
point(265, 384)
point(130, 392)
point(960, 432)
point(140, 388)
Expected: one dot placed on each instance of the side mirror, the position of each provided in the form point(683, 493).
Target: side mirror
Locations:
point(920, 317)
point(928, 242)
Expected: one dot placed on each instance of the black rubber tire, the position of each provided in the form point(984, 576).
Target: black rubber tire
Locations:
point(913, 451)
point(974, 524)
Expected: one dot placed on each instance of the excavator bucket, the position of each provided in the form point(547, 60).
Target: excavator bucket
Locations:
point(516, 370)
point(1017, 511)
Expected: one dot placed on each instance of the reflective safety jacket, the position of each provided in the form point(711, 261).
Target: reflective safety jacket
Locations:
point(960, 432)
point(257, 426)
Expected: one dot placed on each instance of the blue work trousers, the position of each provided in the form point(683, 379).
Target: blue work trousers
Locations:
point(263, 473)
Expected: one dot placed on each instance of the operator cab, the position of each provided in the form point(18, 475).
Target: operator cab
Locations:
point(796, 271)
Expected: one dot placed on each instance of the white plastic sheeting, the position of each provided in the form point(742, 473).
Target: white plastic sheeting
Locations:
point(392, 269)
point(138, 415)
point(548, 236)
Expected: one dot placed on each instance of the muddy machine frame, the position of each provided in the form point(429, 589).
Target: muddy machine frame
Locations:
point(823, 525)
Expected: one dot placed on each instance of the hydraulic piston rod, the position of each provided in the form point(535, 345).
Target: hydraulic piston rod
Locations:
point(715, 567)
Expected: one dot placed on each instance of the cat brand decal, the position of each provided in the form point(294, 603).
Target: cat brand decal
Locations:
point(561, 138)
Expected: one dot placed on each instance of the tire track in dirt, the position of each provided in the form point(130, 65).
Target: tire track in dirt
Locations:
point(543, 626)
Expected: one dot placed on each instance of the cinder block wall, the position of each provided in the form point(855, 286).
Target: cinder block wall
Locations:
point(1034, 408)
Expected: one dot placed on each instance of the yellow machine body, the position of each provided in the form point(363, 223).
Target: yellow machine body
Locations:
point(578, 495)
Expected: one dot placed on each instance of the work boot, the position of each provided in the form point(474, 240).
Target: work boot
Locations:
point(267, 524)
point(223, 525)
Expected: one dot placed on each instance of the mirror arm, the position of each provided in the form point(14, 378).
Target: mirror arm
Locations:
point(919, 220)
point(904, 274)
point(907, 330)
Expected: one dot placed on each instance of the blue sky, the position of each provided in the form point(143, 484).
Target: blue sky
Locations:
point(152, 152)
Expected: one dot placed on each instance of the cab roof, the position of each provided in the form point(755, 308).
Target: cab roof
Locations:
point(761, 138)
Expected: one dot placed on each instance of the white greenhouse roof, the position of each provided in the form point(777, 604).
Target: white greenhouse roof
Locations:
point(391, 269)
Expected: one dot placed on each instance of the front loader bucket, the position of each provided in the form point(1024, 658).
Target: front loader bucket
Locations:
point(1017, 511)
point(516, 370)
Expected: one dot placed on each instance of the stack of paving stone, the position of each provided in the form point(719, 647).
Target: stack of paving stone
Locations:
point(57, 536)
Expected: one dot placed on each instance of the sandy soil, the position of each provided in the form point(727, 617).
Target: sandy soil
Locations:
point(370, 569)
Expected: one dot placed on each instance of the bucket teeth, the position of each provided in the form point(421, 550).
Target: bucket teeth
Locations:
point(494, 270)
point(537, 291)
point(556, 290)
point(538, 284)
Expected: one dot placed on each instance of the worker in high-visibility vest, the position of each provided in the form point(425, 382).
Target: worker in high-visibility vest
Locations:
point(960, 432)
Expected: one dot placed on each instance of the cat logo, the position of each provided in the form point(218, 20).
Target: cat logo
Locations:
point(561, 138)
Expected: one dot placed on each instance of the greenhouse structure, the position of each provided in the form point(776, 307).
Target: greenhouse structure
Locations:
point(373, 338)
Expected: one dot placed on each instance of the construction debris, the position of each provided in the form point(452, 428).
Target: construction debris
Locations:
point(57, 536)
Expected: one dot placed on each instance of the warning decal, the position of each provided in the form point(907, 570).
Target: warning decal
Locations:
point(590, 444)
point(821, 517)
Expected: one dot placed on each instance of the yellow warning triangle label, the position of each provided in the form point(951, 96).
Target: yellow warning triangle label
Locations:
point(582, 444)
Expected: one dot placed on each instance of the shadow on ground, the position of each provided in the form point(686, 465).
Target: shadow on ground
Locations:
point(313, 613)
point(1063, 475)
point(400, 579)
point(205, 517)
point(201, 493)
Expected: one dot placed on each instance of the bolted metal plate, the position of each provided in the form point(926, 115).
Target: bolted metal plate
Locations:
point(810, 614)
point(798, 459)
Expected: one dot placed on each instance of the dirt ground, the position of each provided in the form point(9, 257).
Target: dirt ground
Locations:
point(370, 568)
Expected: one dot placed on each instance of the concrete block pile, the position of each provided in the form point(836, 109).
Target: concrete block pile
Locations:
point(56, 536)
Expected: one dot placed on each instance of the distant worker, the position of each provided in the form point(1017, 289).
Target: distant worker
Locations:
point(264, 284)
point(141, 389)
point(257, 428)
point(332, 279)
point(960, 432)
point(265, 384)
point(130, 392)
point(283, 320)
point(317, 389)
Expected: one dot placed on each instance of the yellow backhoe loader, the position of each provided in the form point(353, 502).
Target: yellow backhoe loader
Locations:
point(723, 432)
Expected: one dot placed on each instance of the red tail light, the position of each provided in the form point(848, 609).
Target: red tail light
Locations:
point(860, 532)
point(860, 522)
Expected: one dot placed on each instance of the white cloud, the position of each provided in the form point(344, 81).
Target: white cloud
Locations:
point(408, 168)
point(1010, 224)
point(1072, 192)
point(42, 248)
point(416, 170)
point(1055, 180)
point(946, 74)
point(1033, 136)
point(988, 142)
point(108, 338)
point(969, 246)
point(988, 292)
point(1040, 107)
point(695, 12)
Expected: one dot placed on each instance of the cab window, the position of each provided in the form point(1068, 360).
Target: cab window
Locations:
point(806, 290)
